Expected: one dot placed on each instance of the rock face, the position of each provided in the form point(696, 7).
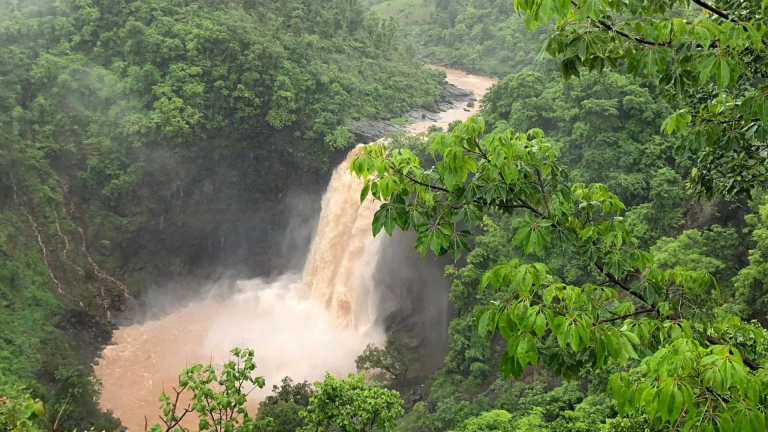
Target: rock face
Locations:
point(371, 130)
point(456, 94)
point(249, 212)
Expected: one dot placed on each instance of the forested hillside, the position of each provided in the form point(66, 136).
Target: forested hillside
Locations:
point(480, 36)
point(142, 139)
point(605, 212)
point(611, 206)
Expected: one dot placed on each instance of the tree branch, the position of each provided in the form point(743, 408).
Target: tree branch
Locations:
point(621, 317)
point(714, 10)
point(608, 26)
point(427, 185)
point(751, 364)
point(169, 427)
point(621, 284)
point(61, 411)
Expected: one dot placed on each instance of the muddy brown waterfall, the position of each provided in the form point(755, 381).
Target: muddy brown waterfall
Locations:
point(339, 269)
point(300, 325)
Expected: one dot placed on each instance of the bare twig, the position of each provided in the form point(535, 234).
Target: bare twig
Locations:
point(714, 10)
point(625, 316)
point(61, 411)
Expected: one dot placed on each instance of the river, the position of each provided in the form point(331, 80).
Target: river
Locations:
point(299, 325)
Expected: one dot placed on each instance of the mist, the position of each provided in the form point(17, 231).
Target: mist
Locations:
point(291, 332)
point(300, 324)
point(332, 289)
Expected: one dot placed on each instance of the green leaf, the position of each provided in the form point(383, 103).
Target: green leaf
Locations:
point(364, 192)
point(723, 74)
point(573, 337)
point(540, 325)
point(527, 352)
point(482, 325)
point(507, 326)
point(626, 347)
point(702, 37)
point(422, 243)
point(38, 408)
point(385, 217)
point(614, 345)
point(706, 66)
point(631, 337)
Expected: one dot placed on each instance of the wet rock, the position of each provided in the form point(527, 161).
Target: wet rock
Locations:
point(366, 131)
point(371, 130)
point(457, 94)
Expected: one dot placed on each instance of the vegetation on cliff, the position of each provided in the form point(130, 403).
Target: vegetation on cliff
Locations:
point(110, 114)
point(608, 229)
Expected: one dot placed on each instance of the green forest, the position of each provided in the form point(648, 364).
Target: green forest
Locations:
point(102, 104)
point(605, 213)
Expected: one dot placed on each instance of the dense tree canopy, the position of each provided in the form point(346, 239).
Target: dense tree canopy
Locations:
point(480, 36)
point(706, 58)
point(579, 251)
point(687, 358)
point(106, 107)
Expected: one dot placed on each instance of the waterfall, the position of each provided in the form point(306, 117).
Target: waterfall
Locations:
point(299, 325)
point(340, 265)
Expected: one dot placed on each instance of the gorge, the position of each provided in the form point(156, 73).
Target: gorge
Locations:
point(301, 325)
point(588, 253)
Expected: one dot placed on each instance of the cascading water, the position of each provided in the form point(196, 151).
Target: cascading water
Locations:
point(300, 326)
point(339, 269)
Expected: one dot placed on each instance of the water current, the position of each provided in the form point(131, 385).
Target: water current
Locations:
point(300, 325)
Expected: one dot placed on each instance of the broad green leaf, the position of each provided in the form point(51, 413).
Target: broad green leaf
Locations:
point(723, 73)
point(626, 346)
point(482, 325)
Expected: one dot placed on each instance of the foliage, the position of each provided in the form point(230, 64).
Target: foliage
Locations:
point(418, 419)
point(392, 360)
point(26, 303)
point(750, 282)
point(19, 413)
point(593, 410)
point(351, 405)
point(663, 215)
point(106, 107)
point(594, 123)
point(298, 393)
point(707, 59)
point(217, 398)
point(711, 251)
point(686, 363)
point(283, 416)
point(489, 421)
point(34, 350)
point(543, 403)
point(479, 36)
point(522, 398)
point(285, 405)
